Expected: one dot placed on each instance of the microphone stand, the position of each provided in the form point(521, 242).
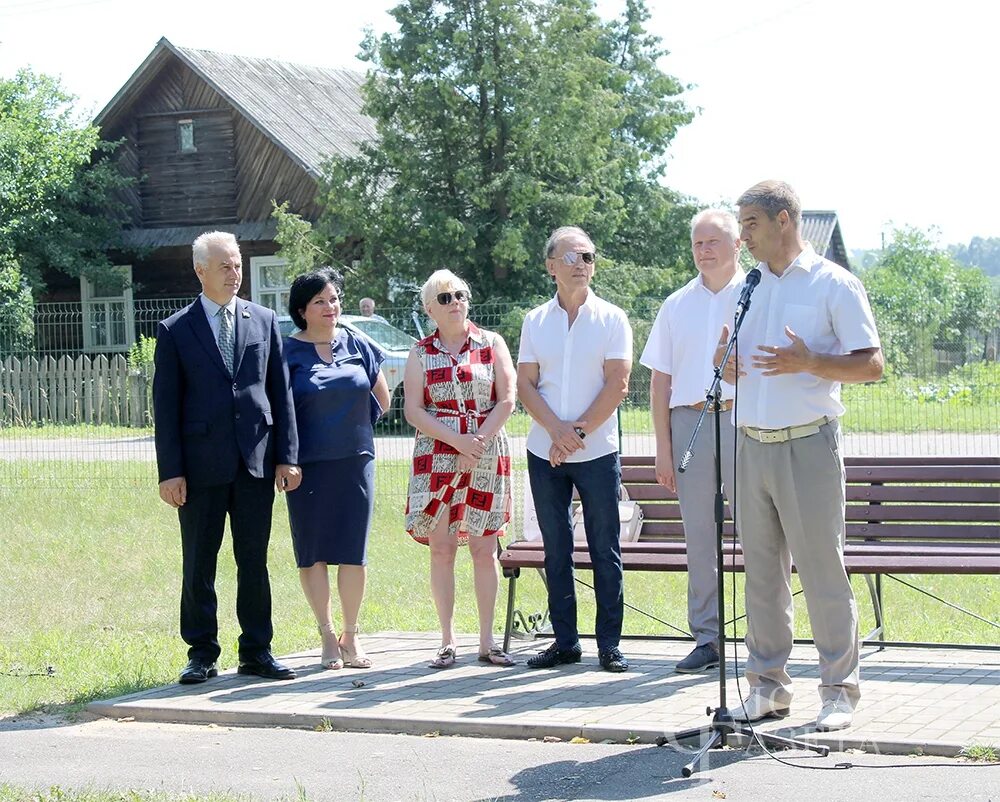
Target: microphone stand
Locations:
point(723, 724)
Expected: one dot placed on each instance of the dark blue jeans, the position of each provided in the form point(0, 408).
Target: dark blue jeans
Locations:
point(597, 483)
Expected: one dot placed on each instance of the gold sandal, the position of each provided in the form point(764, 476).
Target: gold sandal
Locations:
point(353, 658)
point(328, 659)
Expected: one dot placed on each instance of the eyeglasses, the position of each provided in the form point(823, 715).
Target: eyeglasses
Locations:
point(444, 298)
point(571, 257)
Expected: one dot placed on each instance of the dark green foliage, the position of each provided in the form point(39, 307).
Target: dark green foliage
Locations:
point(497, 121)
point(58, 207)
point(17, 326)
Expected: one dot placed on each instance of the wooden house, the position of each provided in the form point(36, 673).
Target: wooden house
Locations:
point(212, 140)
point(822, 229)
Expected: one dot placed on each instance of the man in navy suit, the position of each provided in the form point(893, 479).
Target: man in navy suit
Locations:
point(225, 439)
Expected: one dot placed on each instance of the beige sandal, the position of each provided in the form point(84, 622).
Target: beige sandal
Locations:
point(353, 658)
point(330, 658)
point(445, 657)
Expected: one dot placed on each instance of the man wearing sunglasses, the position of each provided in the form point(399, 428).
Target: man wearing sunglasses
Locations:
point(573, 370)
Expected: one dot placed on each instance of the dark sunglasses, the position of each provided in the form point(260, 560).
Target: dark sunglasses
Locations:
point(444, 298)
point(570, 257)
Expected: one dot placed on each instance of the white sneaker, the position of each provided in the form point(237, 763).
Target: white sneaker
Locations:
point(834, 715)
point(757, 706)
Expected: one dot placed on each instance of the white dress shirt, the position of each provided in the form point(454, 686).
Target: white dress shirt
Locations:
point(826, 306)
point(684, 336)
point(571, 367)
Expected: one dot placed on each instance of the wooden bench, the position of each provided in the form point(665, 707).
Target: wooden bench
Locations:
point(905, 515)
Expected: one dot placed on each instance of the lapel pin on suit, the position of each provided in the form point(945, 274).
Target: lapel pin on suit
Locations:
point(246, 312)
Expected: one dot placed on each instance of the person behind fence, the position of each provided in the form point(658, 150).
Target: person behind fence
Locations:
point(367, 307)
point(572, 373)
point(809, 329)
point(459, 392)
point(679, 355)
point(339, 394)
point(225, 439)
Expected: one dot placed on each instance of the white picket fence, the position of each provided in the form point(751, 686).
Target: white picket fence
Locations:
point(83, 389)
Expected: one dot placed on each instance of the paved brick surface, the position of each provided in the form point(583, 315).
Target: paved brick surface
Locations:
point(928, 700)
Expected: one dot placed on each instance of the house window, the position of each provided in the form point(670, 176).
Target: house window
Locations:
point(108, 312)
point(185, 134)
point(270, 280)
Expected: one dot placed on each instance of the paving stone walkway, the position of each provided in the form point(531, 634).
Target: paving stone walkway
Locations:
point(913, 700)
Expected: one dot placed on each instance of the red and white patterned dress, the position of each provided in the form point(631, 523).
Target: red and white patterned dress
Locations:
point(460, 392)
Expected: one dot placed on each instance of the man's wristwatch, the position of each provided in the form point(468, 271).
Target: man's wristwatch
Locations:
point(580, 432)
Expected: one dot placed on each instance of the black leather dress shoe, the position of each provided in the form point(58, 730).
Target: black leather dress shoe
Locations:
point(264, 665)
point(612, 660)
point(197, 671)
point(554, 656)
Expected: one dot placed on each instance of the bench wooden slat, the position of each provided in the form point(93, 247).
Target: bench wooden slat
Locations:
point(868, 512)
point(856, 563)
point(888, 460)
point(634, 551)
point(900, 474)
point(965, 494)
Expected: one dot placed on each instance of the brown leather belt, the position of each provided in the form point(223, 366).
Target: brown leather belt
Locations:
point(726, 406)
point(788, 433)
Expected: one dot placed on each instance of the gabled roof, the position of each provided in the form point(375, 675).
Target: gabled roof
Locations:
point(822, 229)
point(311, 113)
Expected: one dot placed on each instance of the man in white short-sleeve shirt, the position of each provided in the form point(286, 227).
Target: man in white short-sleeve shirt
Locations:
point(809, 328)
point(679, 354)
point(573, 369)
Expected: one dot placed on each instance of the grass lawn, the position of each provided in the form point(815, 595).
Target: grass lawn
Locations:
point(92, 578)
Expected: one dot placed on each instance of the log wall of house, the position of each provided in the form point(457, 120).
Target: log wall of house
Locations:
point(233, 175)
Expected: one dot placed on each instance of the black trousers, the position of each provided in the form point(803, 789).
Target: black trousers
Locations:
point(248, 502)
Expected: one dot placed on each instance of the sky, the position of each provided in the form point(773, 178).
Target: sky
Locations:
point(881, 110)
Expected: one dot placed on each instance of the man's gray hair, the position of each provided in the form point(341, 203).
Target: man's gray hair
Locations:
point(202, 245)
point(724, 219)
point(561, 233)
point(773, 197)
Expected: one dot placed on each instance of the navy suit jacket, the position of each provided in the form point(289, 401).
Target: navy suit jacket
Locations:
point(205, 420)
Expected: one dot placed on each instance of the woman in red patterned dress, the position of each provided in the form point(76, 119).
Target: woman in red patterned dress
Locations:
point(459, 392)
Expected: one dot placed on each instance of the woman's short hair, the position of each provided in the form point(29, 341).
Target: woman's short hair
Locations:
point(441, 281)
point(308, 286)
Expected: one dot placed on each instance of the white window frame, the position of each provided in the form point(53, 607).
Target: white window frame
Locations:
point(91, 301)
point(257, 290)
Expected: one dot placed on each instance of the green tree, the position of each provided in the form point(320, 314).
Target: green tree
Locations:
point(58, 184)
point(17, 325)
point(975, 315)
point(982, 252)
point(496, 121)
point(914, 291)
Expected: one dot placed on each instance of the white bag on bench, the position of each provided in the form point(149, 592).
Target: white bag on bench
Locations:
point(629, 517)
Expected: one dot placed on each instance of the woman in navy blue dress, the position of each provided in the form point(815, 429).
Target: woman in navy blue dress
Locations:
point(339, 393)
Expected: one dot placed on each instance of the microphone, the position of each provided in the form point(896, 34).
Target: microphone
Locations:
point(753, 279)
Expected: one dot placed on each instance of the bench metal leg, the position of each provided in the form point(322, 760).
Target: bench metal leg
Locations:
point(511, 594)
point(875, 591)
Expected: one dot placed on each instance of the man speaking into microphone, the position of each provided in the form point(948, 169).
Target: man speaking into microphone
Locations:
point(809, 329)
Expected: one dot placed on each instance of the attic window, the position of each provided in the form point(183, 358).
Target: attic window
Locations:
point(185, 134)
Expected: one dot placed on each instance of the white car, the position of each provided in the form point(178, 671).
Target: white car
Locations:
point(395, 344)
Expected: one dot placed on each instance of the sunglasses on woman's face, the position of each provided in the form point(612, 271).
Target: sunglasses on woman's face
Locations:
point(444, 298)
point(571, 257)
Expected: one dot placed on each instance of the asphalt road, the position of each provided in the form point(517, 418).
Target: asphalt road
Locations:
point(96, 449)
point(37, 753)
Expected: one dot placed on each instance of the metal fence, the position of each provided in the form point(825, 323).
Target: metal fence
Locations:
point(949, 405)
